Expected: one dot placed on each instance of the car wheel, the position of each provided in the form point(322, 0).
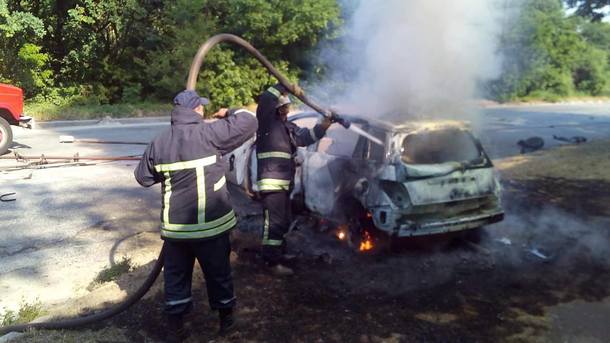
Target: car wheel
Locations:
point(6, 136)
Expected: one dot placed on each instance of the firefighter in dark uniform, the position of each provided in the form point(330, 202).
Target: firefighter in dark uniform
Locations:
point(196, 211)
point(276, 143)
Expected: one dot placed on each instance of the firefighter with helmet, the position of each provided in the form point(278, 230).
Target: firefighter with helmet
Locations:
point(276, 143)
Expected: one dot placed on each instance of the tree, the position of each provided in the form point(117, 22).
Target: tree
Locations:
point(125, 50)
point(546, 56)
point(597, 35)
point(22, 61)
point(281, 30)
point(595, 10)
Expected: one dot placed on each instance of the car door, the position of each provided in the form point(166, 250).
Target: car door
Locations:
point(326, 168)
point(238, 161)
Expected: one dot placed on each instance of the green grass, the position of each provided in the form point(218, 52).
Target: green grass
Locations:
point(541, 96)
point(42, 111)
point(112, 273)
point(26, 313)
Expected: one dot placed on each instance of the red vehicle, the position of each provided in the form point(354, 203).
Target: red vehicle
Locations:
point(11, 113)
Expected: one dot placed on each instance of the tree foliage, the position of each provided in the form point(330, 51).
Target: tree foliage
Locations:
point(126, 50)
point(282, 30)
point(91, 51)
point(21, 55)
point(593, 9)
point(550, 55)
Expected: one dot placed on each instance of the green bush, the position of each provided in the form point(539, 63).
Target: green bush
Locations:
point(132, 93)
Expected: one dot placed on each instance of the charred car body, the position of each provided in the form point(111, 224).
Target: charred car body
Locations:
point(427, 177)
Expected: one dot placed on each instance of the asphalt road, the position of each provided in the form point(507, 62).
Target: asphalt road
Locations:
point(500, 128)
point(67, 222)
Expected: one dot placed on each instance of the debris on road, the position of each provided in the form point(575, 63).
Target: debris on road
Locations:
point(504, 240)
point(531, 144)
point(538, 253)
point(8, 197)
point(573, 139)
point(71, 139)
point(39, 165)
point(42, 161)
point(74, 158)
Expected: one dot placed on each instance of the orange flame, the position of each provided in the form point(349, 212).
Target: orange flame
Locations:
point(367, 242)
point(341, 230)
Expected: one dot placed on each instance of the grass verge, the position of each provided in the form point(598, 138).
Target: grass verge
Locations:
point(588, 161)
point(25, 314)
point(545, 97)
point(43, 111)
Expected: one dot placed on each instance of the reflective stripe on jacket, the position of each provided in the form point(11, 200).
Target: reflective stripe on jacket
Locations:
point(186, 159)
point(276, 143)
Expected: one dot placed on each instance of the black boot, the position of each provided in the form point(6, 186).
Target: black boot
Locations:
point(227, 321)
point(176, 331)
point(273, 258)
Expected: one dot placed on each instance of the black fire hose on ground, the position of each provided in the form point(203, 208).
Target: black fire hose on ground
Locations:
point(192, 80)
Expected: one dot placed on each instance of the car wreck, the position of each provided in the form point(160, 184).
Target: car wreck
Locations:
point(427, 178)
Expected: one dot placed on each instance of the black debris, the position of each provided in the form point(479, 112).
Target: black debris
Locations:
point(531, 144)
point(573, 139)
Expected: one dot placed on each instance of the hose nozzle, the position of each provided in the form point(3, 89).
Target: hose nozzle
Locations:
point(335, 118)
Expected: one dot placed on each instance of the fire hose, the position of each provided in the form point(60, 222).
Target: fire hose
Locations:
point(294, 89)
point(192, 80)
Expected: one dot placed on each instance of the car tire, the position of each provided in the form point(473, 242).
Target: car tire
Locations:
point(6, 136)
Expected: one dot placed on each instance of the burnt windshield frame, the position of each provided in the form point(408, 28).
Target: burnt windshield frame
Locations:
point(481, 161)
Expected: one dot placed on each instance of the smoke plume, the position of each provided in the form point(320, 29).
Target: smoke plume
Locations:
point(417, 58)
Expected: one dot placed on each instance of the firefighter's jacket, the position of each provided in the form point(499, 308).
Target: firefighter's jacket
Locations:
point(276, 143)
point(186, 159)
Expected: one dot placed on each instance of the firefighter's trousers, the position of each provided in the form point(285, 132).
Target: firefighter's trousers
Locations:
point(276, 221)
point(213, 257)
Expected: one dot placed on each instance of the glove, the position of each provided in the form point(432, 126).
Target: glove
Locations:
point(325, 123)
point(221, 113)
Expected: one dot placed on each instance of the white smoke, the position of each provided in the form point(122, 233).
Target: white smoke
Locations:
point(417, 58)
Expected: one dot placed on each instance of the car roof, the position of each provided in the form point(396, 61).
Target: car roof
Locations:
point(402, 126)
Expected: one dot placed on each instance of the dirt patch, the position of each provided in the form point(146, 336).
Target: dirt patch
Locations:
point(572, 177)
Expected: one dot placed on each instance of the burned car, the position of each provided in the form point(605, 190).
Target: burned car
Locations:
point(426, 178)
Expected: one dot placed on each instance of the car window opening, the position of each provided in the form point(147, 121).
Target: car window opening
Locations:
point(439, 146)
